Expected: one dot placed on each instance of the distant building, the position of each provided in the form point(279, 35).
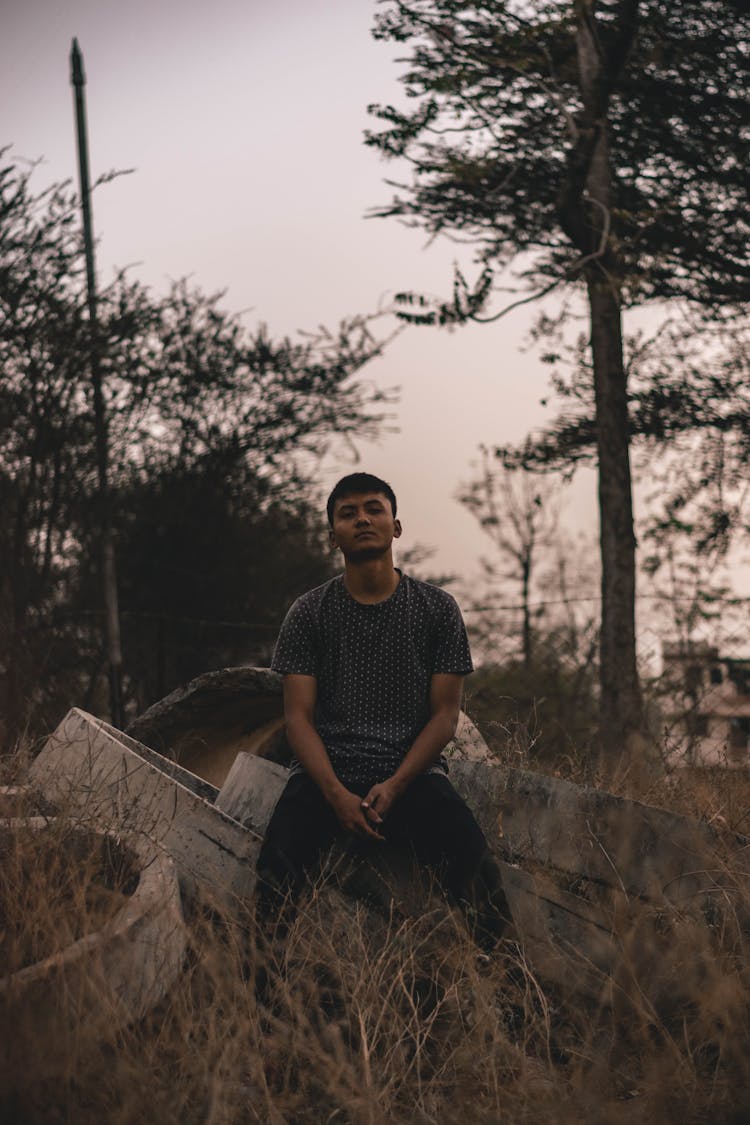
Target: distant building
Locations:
point(708, 714)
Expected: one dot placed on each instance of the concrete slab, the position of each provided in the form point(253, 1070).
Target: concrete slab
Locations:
point(106, 778)
point(589, 833)
point(251, 790)
point(204, 724)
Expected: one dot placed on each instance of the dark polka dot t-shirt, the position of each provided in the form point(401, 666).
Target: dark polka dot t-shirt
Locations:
point(373, 665)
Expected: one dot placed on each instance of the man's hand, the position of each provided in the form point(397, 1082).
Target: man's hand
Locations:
point(352, 815)
point(379, 800)
point(300, 694)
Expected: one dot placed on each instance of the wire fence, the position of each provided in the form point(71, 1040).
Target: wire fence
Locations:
point(538, 668)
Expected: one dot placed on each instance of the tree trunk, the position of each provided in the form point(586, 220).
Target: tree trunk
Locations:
point(525, 581)
point(621, 712)
point(586, 205)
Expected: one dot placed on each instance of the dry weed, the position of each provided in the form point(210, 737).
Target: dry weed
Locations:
point(57, 884)
point(356, 1017)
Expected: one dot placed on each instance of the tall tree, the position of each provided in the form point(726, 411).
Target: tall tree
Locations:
point(606, 143)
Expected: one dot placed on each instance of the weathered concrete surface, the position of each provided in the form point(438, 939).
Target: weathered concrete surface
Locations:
point(251, 790)
point(181, 774)
point(564, 938)
point(467, 743)
point(206, 723)
point(588, 833)
point(92, 771)
point(103, 981)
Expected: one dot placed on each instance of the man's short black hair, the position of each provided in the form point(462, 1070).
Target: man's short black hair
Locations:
point(359, 482)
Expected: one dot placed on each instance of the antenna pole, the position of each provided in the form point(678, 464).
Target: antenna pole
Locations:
point(106, 533)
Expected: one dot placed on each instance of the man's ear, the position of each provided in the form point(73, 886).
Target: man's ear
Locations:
point(397, 529)
point(332, 539)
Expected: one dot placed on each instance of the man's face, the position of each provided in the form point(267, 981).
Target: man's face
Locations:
point(363, 526)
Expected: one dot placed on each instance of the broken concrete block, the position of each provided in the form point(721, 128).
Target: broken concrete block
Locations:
point(205, 724)
point(591, 834)
point(102, 777)
point(251, 790)
point(106, 979)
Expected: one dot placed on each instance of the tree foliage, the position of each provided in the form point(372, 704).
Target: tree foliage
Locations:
point(688, 421)
point(209, 561)
point(499, 136)
point(601, 144)
point(196, 402)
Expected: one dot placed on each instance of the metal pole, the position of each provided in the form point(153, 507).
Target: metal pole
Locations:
point(108, 574)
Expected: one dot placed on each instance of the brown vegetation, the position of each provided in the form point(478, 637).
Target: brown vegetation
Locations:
point(366, 1019)
point(57, 884)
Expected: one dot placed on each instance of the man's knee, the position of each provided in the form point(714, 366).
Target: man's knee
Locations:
point(455, 820)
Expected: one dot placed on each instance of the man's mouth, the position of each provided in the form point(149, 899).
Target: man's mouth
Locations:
point(362, 534)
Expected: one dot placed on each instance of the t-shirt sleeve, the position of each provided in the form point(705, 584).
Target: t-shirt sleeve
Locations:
point(451, 652)
point(296, 650)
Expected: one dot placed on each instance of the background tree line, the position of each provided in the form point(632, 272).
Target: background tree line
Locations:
point(212, 429)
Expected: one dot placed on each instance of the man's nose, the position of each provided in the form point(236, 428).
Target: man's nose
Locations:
point(362, 518)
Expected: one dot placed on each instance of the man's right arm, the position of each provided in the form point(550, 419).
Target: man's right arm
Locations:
point(300, 695)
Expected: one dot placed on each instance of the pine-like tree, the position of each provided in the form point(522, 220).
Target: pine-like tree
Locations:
point(606, 143)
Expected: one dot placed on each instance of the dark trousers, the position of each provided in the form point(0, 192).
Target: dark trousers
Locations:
point(429, 818)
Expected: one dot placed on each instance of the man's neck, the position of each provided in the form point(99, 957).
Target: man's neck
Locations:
point(371, 581)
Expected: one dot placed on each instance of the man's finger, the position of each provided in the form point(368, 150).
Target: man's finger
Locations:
point(368, 830)
point(370, 812)
point(373, 835)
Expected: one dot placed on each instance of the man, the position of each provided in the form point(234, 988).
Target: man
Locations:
point(373, 664)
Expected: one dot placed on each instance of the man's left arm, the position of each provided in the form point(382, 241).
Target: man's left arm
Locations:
point(445, 705)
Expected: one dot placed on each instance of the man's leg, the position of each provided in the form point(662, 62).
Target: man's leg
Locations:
point(445, 835)
point(301, 827)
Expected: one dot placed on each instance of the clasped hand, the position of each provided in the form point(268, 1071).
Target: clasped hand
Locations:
point(362, 815)
point(378, 801)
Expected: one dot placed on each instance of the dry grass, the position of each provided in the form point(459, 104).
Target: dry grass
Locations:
point(82, 878)
point(721, 797)
point(363, 1019)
